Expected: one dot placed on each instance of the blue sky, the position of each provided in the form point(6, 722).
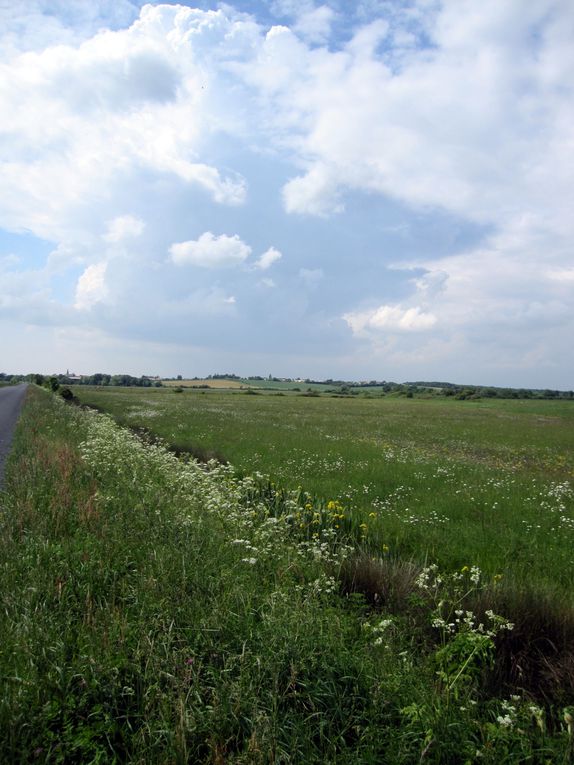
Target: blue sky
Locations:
point(352, 190)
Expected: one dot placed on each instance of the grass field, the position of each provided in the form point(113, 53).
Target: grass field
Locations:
point(156, 609)
point(216, 384)
point(453, 481)
point(247, 382)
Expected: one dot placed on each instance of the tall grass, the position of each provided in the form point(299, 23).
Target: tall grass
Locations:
point(158, 610)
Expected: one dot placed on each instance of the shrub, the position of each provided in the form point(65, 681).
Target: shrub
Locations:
point(68, 395)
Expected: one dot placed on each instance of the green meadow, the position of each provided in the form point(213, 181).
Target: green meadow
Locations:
point(351, 581)
point(455, 482)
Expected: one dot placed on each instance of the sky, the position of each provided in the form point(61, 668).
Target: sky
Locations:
point(379, 189)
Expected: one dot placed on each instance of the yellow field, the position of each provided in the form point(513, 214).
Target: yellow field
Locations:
point(202, 383)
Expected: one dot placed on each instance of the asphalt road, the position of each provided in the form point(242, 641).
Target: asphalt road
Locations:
point(11, 399)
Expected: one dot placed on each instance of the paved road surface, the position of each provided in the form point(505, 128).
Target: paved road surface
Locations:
point(11, 399)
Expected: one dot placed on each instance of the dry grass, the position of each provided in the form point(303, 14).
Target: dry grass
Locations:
point(537, 656)
point(384, 583)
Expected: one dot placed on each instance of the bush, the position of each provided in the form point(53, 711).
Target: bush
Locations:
point(68, 395)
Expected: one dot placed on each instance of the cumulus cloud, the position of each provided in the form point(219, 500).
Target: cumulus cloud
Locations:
point(210, 251)
point(115, 114)
point(124, 227)
point(269, 257)
point(99, 112)
point(318, 192)
point(314, 24)
point(159, 90)
point(472, 148)
point(91, 287)
point(390, 318)
point(36, 24)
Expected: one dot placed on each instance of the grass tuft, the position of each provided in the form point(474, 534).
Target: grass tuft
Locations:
point(537, 656)
point(385, 583)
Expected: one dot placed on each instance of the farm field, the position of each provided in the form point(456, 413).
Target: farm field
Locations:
point(247, 382)
point(456, 482)
point(221, 384)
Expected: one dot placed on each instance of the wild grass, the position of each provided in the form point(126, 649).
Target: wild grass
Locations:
point(159, 610)
point(454, 482)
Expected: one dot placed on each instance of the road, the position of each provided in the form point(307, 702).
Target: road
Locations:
point(11, 399)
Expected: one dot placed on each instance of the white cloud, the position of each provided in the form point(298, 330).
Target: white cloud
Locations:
point(562, 275)
point(431, 284)
point(124, 227)
point(315, 24)
point(311, 276)
point(267, 283)
point(353, 119)
point(390, 318)
point(36, 24)
point(269, 257)
point(292, 8)
point(210, 251)
point(315, 193)
point(460, 107)
point(91, 287)
point(486, 145)
point(98, 113)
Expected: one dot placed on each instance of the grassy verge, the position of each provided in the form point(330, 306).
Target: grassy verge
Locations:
point(158, 610)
